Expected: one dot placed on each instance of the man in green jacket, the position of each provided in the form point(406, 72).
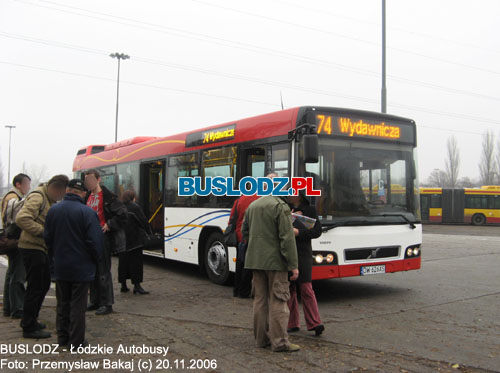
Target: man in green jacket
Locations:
point(31, 219)
point(271, 254)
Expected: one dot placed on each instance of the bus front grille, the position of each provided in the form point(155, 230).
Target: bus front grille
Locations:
point(371, 253)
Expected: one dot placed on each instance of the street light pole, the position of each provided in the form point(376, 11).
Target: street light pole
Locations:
point(10, 141)
point(384, 88)
point(119, 57)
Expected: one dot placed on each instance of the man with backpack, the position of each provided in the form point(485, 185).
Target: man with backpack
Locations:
point(31, 219)
point(15, 277)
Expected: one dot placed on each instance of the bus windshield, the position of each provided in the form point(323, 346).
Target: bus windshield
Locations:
point(364, 183)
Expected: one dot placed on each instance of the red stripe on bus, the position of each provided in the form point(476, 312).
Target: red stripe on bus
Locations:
point(435, 219)
point(351, 270)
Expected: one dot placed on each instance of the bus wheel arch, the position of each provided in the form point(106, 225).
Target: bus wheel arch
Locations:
point(213, 255)
point(478, 219)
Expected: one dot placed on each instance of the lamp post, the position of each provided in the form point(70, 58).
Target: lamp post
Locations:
point(10, 140)
point(384, 88)
point(119, 57)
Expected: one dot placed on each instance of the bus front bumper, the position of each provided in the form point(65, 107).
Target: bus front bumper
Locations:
point(349, 270)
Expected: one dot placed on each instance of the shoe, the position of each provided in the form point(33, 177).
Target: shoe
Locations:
point(40, 326)
point(139, 290)
point(92, 307)
point(124, 289)
point(319, 330)
point(293, 330)
point(36, 334)
point(6, 314)
point(235, 293)
point(104, 310)
point(291, 348)
point(244, 296)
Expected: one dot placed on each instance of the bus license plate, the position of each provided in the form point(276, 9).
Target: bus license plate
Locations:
point(372, 270)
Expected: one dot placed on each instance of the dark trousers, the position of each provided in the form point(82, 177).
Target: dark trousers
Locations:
point(242, 276)
point(13, 290)
point(71, 307)
point(130, 266)
point(37, 267)
point(101, 289)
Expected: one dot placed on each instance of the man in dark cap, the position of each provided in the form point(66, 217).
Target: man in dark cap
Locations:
point(74, 239)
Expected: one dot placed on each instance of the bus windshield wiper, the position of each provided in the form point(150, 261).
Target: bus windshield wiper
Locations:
point(327, 227)
point(412, 226)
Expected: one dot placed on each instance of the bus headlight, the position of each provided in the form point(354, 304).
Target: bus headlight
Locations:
point(330, 258)
point(409, 251)
point(318, 258)
point(416, 251)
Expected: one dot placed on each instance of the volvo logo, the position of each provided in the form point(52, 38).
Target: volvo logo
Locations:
point(374, 253)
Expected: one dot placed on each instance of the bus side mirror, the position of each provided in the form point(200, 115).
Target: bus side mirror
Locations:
point(310, 148)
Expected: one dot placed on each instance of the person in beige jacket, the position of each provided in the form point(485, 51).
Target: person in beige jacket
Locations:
point(31, 219)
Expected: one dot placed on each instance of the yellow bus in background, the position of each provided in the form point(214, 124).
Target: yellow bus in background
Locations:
point(477, 206)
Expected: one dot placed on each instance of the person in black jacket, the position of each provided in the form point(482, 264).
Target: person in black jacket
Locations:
point(303, 236)
point(130, 263)
point(74, 240)
point(112, 216)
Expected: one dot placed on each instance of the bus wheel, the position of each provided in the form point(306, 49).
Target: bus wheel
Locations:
point(478, 219)
point(216, 259)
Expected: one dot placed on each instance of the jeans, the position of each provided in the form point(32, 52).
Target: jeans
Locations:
point(13, 290)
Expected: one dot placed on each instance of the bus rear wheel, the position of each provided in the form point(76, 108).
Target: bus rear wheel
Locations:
point(478, 219)
point(217, 259)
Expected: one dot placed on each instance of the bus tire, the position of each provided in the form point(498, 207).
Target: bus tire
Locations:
point(478, 219)
point(217, 259)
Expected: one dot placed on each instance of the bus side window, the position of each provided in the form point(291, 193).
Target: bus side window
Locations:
point(108, 178)
point(218, 162)
point(494, 202)
point(178, 166)
point(253, 162)
point(280, 156)
point(435, 201)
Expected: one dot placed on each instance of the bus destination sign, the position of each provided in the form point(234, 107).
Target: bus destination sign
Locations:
point(363, 128)
point(211, 136)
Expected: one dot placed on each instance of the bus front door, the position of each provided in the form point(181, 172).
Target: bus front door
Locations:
point(152, 194)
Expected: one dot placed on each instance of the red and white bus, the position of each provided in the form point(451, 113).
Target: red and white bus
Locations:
point(368, 228)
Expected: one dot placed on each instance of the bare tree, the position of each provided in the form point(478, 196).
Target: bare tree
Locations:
point(497, 162)
point(452, 162)
point(466, 182)
point(437, 178)
point(487, 163)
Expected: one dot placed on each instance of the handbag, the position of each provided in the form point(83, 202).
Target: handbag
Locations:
point(149, 240)
point(152, 241)
point(7, 245)
point(230, 238)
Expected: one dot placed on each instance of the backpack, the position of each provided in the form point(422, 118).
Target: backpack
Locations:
point(13, 208)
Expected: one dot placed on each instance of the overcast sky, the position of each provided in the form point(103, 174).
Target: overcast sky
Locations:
point(198, 63)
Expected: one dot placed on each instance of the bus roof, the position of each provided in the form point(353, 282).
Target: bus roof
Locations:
point(272, 125)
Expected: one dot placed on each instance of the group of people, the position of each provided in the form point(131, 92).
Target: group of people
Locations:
point(66, 232)
point(274, 254)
